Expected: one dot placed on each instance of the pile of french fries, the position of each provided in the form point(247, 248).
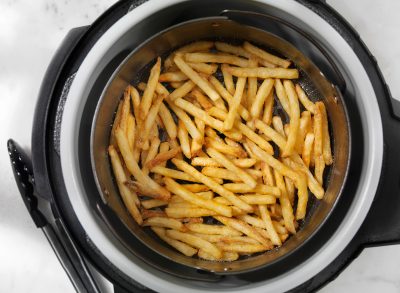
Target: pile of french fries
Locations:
point(217, 152)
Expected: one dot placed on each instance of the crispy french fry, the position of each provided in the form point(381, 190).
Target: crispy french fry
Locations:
point(172, 76)
point(196, 242)
point(262, 94)
point(287, 210)
point(178, 212)
point(290, 188)
point(196, 187)
point(304, 127)
point(131, 131)
point(273, 235)
point(318, 131)
point(269, 108)
point(265, 55)
point(180, 246)
point(129, 198)
point(244, 188)
point(213, 229)
point(319, 168)
point(131, 164)
point(223, 160)
point(224, 148)
point(271, 133)
point(182, 91)
point(173, 173)
point(150, 89)
point(264, 72)
point(192, 47)
point(182, 165)
point(162, 157)
point(153, 203)
point(235, 50)
point(252, 199)
point(153, 150)
point(204, 67)
point(210, 162)
point(234, 104)
point(221, 173)
point(310, 106)
point(242, 227)
point(135, 98)
point(278, 125)
point(282, 96)
point(267, 174)
point(326, 148)
point(244, 248)
point(254, 137)
point(196, 78)
point(307, 148)
point(191, 197)
point(302, 194)
point(216, 58)
point(163, 222)
point(184, 140)
point(294, 118)
point(202, 99)
point(152, 213)
point(228, 80)
point(252, 83)
point(189, 125)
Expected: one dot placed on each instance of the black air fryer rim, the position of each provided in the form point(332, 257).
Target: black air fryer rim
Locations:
point(45, 156)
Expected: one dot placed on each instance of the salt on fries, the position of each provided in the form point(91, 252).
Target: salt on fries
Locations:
point(229, 177)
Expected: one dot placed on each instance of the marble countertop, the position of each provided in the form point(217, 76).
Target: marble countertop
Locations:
point(31, 32)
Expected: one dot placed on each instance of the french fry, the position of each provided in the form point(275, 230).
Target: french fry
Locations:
point(224, 148)
point(252, 83)
point(191, 197)
point(153, 150)
point(196, 242)
point(326, 148)
point(162, 157)
point(202, 99)
point(129, 198)
point(221, 173)
point(282, 96)
point(216, 58)
point(268, 108)
point(267, 174)
point(262, 94)
point(242, 227)
point(273, 235)
point(226, 256)
point(271, 133)
point(234, 104)
point(213, 229)
point(189, 125)
point(173, 173)
point(196, 187)
point(184, 140)
point(177, 212)
point(264, 72)
point(204, 67)
point(302, 194)
point(307, 148)
point(150, 89)
point(287, 210)
point(290, 188)
point(235, 50)
point(305, 101)
point(180, 246)
point(172, 76)
point(164, 223)
point(318, 131)
point(182, 91)
point(131, 131)
point(210, 162)
point(196, 78)
point(192, 47)
point(135, 98)
point(278, 125)
point(228, 80)
point(319, 168)
point(304, 127)
point(294, 118)
point(265, 55)
point(214, 186)
point(131, 164)
point(244, 188)
point(244, 248)
point(220, 158)
point(153, 203)
point(254, 137)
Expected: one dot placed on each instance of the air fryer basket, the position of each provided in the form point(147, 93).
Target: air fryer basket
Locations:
point(312, 79)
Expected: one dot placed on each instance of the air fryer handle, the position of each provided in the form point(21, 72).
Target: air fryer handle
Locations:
point(382, 225)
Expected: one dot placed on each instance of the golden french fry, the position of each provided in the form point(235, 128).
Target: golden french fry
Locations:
point(216, 58)
point(287, 210)
point(261, 96)
point(213, 229)
point(263, 72)
point(234, 104)
point(242, 227)
point(182, 91)
point(189, 125)
point(196, 187)
point(282, 96)
point(228, 164)
point(192, 47)
point(304, 127)
point(290, 188)
point(269, 108)
point(131, 164)
point(168, 121)
point(226, 256)
point(173, 173)
point(178, 212)
point(267, 174)
point(251, 199)
point(302, 194)
point(131, 131)
point(326, 148)
point(196, 242)
point(228, 80)
point(135, 98)
point(318, 131)
point(204, 67)
point(252, 83)
point(125, 111)
point(152, 213)
point(244, 248)
point(184, 140)
point(235, 50)
point(254, 137)
point(153, 203)
point(278, 125)
point(271, 133)
point(307, 148)
point(163, 222)
point(221, 173)
point(210, 162)
point(196, 78)
point(294, 118)
point(244, 188)
point(202, 99)
point(129, 198)
point(153, 150)
point(150, 89)
point(305, 101)
point(273, 235)
point(265, 55)
point(180, 246)
point(214, 186)
point(117, 119)
point(162, 157)
point(319, 168)
point(191, 197)
point(224, 148)
point(172, 76)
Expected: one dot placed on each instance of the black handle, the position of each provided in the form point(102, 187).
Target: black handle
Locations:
point(22, 169)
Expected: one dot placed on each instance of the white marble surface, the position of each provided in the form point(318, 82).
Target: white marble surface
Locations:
point(30, 32)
